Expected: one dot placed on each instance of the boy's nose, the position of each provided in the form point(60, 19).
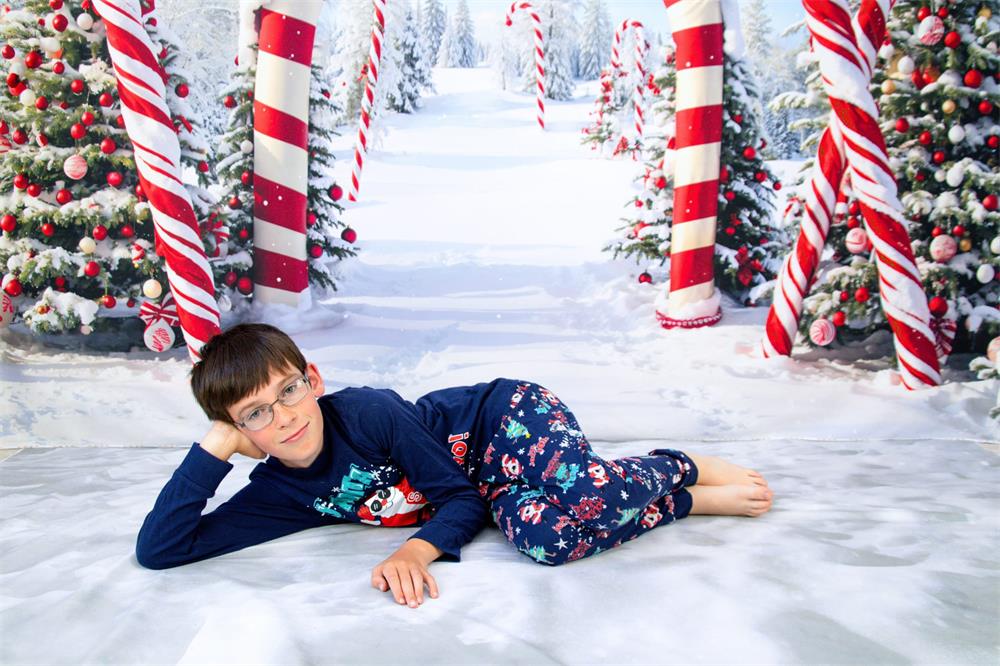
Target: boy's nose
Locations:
point(283, 416)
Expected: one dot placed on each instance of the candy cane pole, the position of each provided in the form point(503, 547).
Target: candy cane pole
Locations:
point(280, 156)
point(697, 31)
point(374, 61)
point(539, 54)
point(157, 159)
point(641, 46)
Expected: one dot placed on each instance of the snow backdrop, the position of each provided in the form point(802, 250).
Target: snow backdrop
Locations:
point(479, 241)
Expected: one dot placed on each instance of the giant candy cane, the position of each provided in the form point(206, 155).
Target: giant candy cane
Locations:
point(697, 31)
point(539, 54)
point(847, 52)
point(157, 159)
point(280, 156)
point(641, 47)
point(374, 62)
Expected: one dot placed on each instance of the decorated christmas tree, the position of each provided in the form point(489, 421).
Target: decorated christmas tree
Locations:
point(78, 249)
point(559, 35)
point(938, 99)
point(748, 249)
point(612, 130)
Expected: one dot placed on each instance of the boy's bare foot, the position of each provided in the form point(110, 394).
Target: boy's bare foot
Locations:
point(730, 500)
point(714, 471)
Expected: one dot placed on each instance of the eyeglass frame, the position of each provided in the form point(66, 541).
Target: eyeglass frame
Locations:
point(270, 406)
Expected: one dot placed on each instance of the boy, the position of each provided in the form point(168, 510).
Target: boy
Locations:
point(366, 455)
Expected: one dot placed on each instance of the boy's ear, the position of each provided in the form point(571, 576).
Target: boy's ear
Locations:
point(315, 380)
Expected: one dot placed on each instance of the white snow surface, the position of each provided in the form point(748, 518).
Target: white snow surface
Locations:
point(480, 257)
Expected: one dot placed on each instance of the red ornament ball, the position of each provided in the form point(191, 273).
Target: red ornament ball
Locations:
point(853, 208)
point(973, 78)
point(952, 40)
point(990, 202)
point(235, 203)
point(21, 181)
point(43, 140)
point(100, 232)
point(315, 251)
point(939, 156)
point(844, 296)
point(120, 121)
point(853, 222)
point(87, 118)
point(182, 90)
point(923, 13)
point(645, 278)
point(993, 141)
point(108, 145)
point(203, 166)
point(91, 269)
point(127, 231)
point(229, 101)
point(8, 51)
point(730, 231)
point(59, 22)
point(58, 67)
point(13, 79)
point(60, 282)
point(19, 136)
point(729, 195)
point(230, 278)
point(738, 118)
point(777, 185)
point(105, 99)
point(77, 86)
point(310, 218)
point(130, 303)
point(938, 306)
point(78, 131)
point(64, 196)
point(246, 177)
point(8, 223)
point(108, 301)
point(861, 295)
point(661, 182)
point(349, 235)
point(839, 318)
point(986, 108)
point(41, 103)
point(114, 178)
point(942, 12)
point(244, 234)
point(936, 231)
point(336, 192)
point(13, 288)
point(760, 176)
point(724, 174)
point(34, 190)
point(920, 177)
point(33, 59)
point(958, 230)
point(245, 285)
point(925, 138)
point(55, 5)
point(749, 152)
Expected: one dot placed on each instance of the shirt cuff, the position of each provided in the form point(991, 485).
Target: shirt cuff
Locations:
point(445, 539)
point(203, 469)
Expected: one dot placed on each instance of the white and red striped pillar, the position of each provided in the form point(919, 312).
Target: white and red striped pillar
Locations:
point(368, 99)
point(697, 30)
point(539, 52)
point(281, 157)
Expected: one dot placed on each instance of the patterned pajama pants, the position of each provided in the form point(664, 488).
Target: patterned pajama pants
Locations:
point(557, 501)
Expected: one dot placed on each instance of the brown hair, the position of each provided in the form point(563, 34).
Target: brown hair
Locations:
point(237, 363)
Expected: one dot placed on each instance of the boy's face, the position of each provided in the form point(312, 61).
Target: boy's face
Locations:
point(295, 436)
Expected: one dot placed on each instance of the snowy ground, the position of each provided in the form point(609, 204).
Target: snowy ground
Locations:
point(480, 257)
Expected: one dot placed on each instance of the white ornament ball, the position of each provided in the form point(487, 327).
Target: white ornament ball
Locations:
point(905, 65)
point(159, 336)
point(85, 21)
point(75, 167)
point(993, 349)
point(985, 273)
point(995, 246)
point(955, 175)
point(857, 241)
point(247, 147)
point(151, 288)
point(943, 248)
point(27, 97)
point(940, 175)
point(225, 304)
point(931, 30)
point(6, 309)
point(49, 44)
point(822, 332)
point(886, 51)
point(956, 134)
point(87, 245)
point(18, 67)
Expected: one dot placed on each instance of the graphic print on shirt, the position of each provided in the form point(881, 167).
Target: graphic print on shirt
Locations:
point(353, 487)
point(397, 506)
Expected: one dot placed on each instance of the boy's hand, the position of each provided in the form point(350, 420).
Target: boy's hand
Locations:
point(223, 440)
point(405, 572)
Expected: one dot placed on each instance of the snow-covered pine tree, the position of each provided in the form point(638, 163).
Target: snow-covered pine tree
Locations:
point(595, 40)
point(559, 29)
point(458, 47)
point(938, 102)
point(414, 70)
point(432, 26)
point(354, 30)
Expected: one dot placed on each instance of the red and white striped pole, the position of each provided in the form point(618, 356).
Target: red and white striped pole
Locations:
point(158, 162)
point(638, 101)
point(539, 54)
point(364, 124)
point(697, 30)
point(281, 155)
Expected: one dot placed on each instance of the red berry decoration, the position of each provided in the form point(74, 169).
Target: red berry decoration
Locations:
point(21, 181)
point(229, 102)
point(986, 108)
point(925, 138)
point(861, 295)
point(203, 166)
point(973, 78)
point(41, 103)
point(938, 156)
point(918, 79)
point(34, 190)
point(87, 118)
point(777, 186)
point(853, 222)
point(749, 152)
point(315, 251)
point(78, 131)
point(8, 51)
point(105, 99)
point(952, 40)
point(8, 223)
point(938, 306)
point(127, 231)
point(59, 67)
point(108, 301)
point(33, 59)
point(990, 202)
point(13, 288)
point(182, 90)
point(100, 232)
point(336, 192)
point(64, 196)
point(839, 318)
point(77, 86)
point(59, 22)
point(91, 269)
point(645, 278)
point(245, 285)
point(108, 145)
point(114, 178)
point(230, 278)
point(19, 136)
point(235, 203)
point(349, 235)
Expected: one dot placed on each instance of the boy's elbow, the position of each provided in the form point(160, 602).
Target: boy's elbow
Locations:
point(151, 557)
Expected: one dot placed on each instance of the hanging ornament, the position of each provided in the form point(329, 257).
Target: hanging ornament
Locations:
point(995, 246)
point(955, 175)
point(948, 106)
point(888, 86)
point(85, 21)
point(973, 78)
point(944, 335)
point(6, 310)
point(956, 134)
point(27, 98)
point(158, 336)
point(943, 248)
point(905, 66)
point(990, 202)
point(349, 235)
point(75, 167)
point(225, 304)
point(138, 254)
point(857, 241)
point(166, 311)
point(246, 146)
point(87, 245)
point(151, 288)
point(965, 244)
point(822, 332)
point(930, 31)
point(985, 273)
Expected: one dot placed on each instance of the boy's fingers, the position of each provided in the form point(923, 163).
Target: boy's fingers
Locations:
point(418, 584)
point(431, 585)
point(406, 583)
point(394, 584)
point(377, 580)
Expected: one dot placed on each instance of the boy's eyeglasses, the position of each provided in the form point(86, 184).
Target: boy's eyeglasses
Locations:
point(262, 416)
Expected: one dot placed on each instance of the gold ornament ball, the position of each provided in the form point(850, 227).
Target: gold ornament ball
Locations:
point(151, 288)
point(965, 244)
point(888, 86)
point(948, 106)
point(985, 12)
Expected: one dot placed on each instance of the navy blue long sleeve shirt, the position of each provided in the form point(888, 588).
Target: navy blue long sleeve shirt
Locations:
point(384, 461)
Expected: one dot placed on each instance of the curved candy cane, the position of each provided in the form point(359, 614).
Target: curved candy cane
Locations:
point(539, 54)
point(374, 60)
